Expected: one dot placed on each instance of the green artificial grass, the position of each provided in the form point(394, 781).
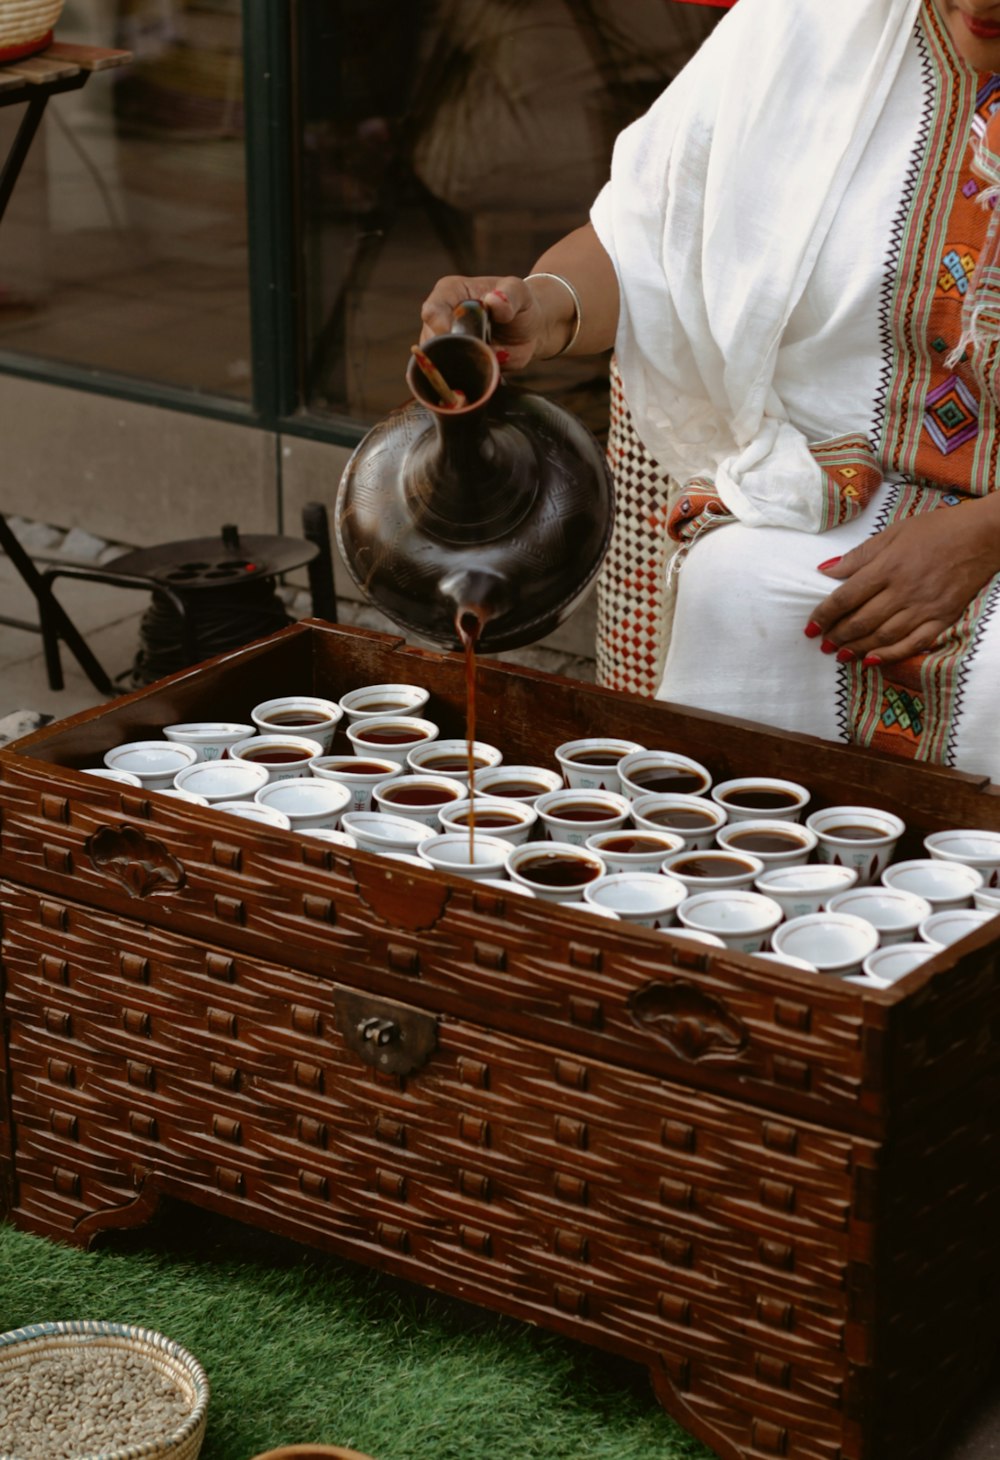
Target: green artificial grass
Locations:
point(302, 1347)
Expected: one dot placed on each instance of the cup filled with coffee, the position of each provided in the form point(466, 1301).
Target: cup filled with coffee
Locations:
point(307, 715)
point(383, 699)
point(776, 843)
point(574, 815)
point(518, 782)
point(695, 819)
point(419, 798)
point(452, 758)
point(861, 837)
point(715, 867)
point(390, 737)
point(554, 871)
point(282, 756)
point(591, 763)
point(360, 774)
point(497, 816)
point(663, 773)
point(634, 849)
point(759, 798)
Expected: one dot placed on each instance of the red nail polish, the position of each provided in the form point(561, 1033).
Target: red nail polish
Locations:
point(829, 563)
point(499, 294)
point(502, 356)
point(812, 630)
point(828, 646)
point(871, 661)
point(844, 656)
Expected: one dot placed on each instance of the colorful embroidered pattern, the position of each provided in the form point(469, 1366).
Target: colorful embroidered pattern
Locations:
point(851, 477)
point(952, 415)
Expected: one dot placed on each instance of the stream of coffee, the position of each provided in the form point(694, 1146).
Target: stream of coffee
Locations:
point(469, 627)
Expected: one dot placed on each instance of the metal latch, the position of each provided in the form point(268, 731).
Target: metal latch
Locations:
point(388, 1036)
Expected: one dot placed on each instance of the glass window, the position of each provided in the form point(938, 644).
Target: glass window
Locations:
point(457, 136)
point(124, 247)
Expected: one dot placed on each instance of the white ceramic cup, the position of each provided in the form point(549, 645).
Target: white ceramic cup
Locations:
point(943, 884)
point(714, 869)
point(328, 834)
point(887, 965)
point(744, 920)
point(175, 792)
point(647, 899)
point(105, 773)
point(979, 849)
point(896, 915)
point(694, 818)
point(805, 889)
point(518, 782)
point(390, 737)
point(223, 780)
point(547, 869)
point(777, 843)
point(631, 849)
point(861, 837)
point(787, 961)
point(941, 929)
point(210, 738)
point(573, 815)
point(836, 944)
point(688, 937)
point(511, 821)
point(987, 897)
point(591, 763)
point(375, 832)
point(451, 758)
point(284, 757)
point(154, 763)
point(418, 797)
point(663, 773)
point(383, 699)
point(250, 811)
point(360, 776)
point(306, 801)
point(449, 852)
point(305, 715)
point(761, 798)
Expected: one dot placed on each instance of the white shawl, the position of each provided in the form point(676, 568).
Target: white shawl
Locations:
point(719, 201)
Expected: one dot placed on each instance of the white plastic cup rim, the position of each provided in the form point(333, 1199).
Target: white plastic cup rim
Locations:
point(714, 816)
point(647, 759)
point(375, 830)
point(177, 793)
point(941, 929)
point(409, 698)
point(449, 851)
point(108, 773)
point(746, 867)
point(151, 760)
point(488, 755)
point(328, 834)
point(529, 851)
point(523, 817)
point(450, 791)
point(815, 878)
point(636, 895)
point(890, 909)
point(304, 798)
point(545, 779)
point(662, 844)
point(572, 752)
point(424, 731)
point(730, 912)
point(975, 848)
point(222, 780)
point(832, 942)
point(548, 806)
point(211, 732)
point(693, 935)
point(329, 709)
point(253, 811)
point(259, 743)
point(935, 879)
point(895, 962)
point(339, 768)
point(803, 838)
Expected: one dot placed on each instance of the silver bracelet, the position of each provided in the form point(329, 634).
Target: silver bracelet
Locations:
point(577, 311)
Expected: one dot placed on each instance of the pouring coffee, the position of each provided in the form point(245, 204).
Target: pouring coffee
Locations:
point(478, 512)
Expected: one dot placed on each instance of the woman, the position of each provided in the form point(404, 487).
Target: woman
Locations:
point(797, 261)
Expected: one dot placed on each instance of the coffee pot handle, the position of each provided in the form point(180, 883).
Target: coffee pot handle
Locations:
point(471, 318)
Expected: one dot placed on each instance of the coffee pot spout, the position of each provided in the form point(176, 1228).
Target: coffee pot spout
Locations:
point(478, 595)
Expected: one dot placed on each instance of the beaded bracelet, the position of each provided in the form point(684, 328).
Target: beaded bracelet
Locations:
point(577, 311)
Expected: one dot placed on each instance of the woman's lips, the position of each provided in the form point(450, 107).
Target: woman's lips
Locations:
point(983, 30)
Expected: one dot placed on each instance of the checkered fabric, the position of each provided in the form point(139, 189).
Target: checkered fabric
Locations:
point(634, 603)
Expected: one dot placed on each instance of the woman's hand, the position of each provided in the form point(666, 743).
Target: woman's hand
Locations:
point(903, 588)
point(517, 324)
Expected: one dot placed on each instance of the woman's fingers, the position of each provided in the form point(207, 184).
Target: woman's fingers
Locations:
point(509, 302)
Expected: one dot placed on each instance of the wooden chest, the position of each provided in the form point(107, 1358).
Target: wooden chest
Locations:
point(778, 1191)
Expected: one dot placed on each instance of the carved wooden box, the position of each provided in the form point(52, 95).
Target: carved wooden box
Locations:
point(777, 1191)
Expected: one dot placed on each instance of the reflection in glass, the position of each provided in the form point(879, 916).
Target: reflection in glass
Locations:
point(124, 247)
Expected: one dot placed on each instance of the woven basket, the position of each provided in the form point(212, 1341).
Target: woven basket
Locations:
point(26, 26)
point(21, 1345)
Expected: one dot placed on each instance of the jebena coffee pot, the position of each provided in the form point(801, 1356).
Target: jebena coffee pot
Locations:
point(479, 511)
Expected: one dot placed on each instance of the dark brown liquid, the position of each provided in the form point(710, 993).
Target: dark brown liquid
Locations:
point(709, 866)
point(516, 789)
point(674, 781)
point(596, 757)
point(360, 767)
point(487, 818)
point(448, 761)
point(766, 841)
point(852, 832)
point(626, 844)
point(585, 811)
point(389, 735)
point(552, 869)
point(418, 795)
point(379, 707)
point(469, 627)
point(760, 800)
point(296, 717)
point(675, 819)
point(278, 754)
